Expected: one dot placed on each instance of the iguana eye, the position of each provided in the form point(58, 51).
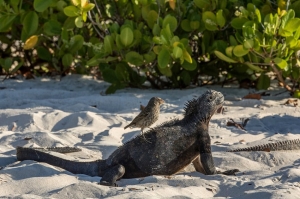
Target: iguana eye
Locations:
point(210, 98)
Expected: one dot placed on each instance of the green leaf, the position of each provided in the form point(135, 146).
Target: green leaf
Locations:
point(114, 28)
point(6, 22)
point(291, 42)
point(186, 56)
point(292, 25)
point(177, 52)
point(109, 75)
point(14, 4)
point(69, 23)
point(156, 30)
point(238, 23)
point(239, 38)
point(248, 44)
point(121, 72)
point(288, 16)
point(120, 46)
point(67, 60)
point(165, 71)
point(41, 5)
point(52, 28)
point(185, 25)
point(281, 63)
point(166, 35)
point(253, 67)
point(7, 64)
point(126, 36)
point(189, 66)
point(30, 23)
point(186, 78)
point(228, 51)
point(202, 3)
point(171, 21)
point(224, 57)
point(163, 58)
point(297, 33)
point(76, 43)
point(219, 45)
point(149, 57)
point(108, 44)
point(44, 53)
point(239, 51)
point(134, 58)
point(209, 18)
point(72, 11)
point(60, 5)
point(194, 25)
point(79, 22)
point(296, 94)
point(220, 18)
point(113, 88)
point(257, 13)
point(232, 41)
point(263, 82)
point(152, 18)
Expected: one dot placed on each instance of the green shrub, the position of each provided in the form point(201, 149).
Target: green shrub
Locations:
point(170, 43)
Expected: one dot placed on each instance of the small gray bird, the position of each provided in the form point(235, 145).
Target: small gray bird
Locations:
point(148, 115)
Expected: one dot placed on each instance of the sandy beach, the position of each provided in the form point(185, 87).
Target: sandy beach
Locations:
point(75, 112)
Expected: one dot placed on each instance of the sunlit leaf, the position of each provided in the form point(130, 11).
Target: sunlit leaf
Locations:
point(30, 42)
point(239, 51)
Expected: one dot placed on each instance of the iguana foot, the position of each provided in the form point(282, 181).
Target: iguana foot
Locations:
point(112, 175)
point(228, 172)
point(104, 183)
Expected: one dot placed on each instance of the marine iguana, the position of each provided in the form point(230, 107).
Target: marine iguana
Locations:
point(172, 146)
point(275, 146)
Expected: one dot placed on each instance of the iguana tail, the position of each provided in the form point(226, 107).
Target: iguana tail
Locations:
point(276, 146)
point(91, 168)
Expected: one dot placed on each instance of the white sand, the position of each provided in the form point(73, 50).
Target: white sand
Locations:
point(55, 113)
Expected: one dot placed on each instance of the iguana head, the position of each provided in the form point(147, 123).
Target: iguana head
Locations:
point(205, 106)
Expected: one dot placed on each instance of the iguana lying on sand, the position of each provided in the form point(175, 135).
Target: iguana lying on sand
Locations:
point(172, 146)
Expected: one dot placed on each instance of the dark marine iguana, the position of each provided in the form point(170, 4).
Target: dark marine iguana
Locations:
point(172, 146)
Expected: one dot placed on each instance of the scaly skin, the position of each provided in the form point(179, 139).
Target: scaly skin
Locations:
point(275, 146)
point(171, 147)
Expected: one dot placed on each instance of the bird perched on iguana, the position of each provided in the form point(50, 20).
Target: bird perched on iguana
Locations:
point(173, 146)
point(148, 115)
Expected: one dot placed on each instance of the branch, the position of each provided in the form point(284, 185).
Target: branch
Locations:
point(93, 23)
point(287, 87)
point(98, 9)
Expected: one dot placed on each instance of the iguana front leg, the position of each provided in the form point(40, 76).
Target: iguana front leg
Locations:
point(205, 158)
point(204, 163)
point(112, 174)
